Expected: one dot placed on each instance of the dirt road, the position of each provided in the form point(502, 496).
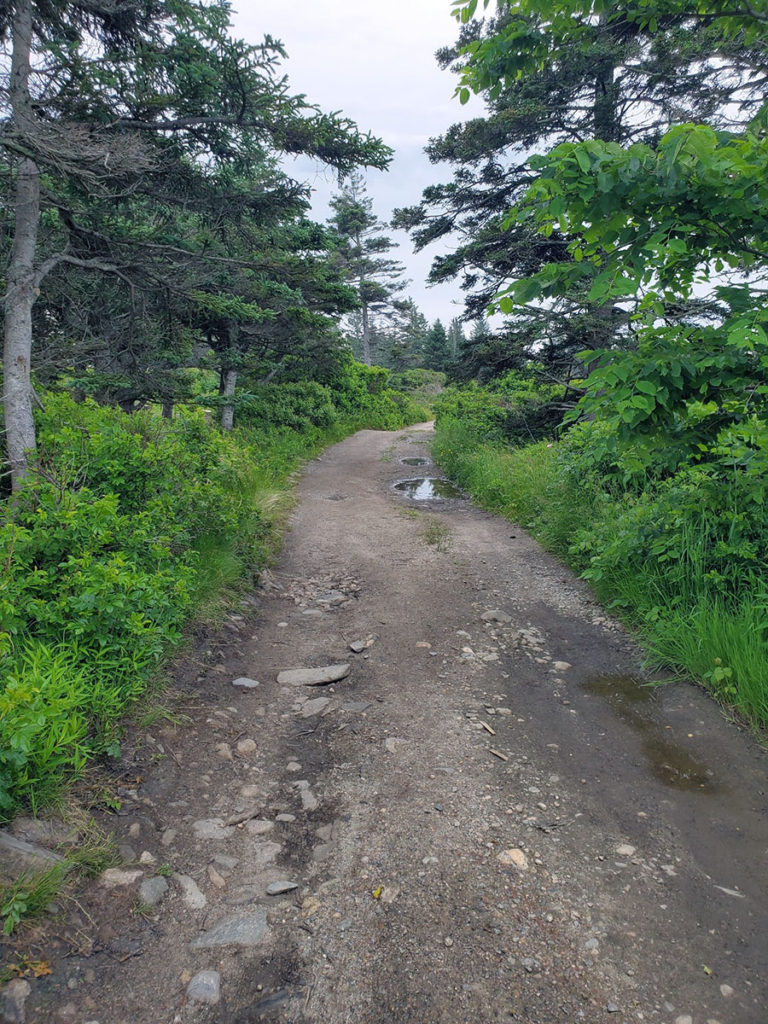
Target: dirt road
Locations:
point(488, 819)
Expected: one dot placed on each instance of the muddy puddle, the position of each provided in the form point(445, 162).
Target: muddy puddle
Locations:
point(429, 489)
point(637, 705)
point(415, 460)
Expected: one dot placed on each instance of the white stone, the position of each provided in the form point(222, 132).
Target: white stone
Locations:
point(190, 892)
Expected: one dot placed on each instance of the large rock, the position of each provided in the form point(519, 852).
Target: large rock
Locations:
point(18, 856)
point(313, 676)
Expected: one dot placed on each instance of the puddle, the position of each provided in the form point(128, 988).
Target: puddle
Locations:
point(634, 704)
point(429, 488)
point(415, 461)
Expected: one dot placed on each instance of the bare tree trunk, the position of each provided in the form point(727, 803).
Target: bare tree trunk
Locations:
point(22, 284)
point(366, 335)
point(228, 391)
point(168, 410)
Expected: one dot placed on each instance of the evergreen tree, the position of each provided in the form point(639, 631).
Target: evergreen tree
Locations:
point(621, 80)
point(361, 249)
point(436, 353)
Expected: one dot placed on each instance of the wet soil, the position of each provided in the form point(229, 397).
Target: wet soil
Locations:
point(492, 818)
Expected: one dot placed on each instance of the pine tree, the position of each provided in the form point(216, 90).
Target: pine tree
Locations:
point(361, 249)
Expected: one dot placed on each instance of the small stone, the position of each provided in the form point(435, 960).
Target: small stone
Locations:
point(726, 991)
point(114, 877)
point(216, 878)
point(309, 801)
point(591, 944)
point(211, 828)
point(612, 1008)
point(496, 615)
point(561, 666)
point(168, 837)
point(190, 892)
point(625, 850)
point(134, 830)
point(529, 964)
point(153, 890)
point(685, 1018)
point(315, 707)
point(127, 853)
point(205, 987)
point(277, 888)
point(245, 683)
point(147, 858)
point(12, 999)
point(448, 941)
point(514, 858)
point(224, 751)
point(293, 766)
point(357, 646)
point(313, 676)
point(258, 826)
point(246, 747)
point(391, 743)
point(286, 817)
point(244, 929)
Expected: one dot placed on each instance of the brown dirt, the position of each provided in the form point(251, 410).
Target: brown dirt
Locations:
point(409, 907)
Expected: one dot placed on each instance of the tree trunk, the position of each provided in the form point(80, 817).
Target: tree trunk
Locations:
point(168, 410)
point(22, 285)
point(366, 335)
point(228, 390)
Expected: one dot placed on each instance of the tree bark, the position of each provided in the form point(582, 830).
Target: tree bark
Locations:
point(22, 284)
point(366, 334)
point(228, 391)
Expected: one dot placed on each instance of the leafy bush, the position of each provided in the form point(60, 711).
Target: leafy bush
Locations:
point(515, 408)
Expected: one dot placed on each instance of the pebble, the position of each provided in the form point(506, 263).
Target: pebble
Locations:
point(258, 827)
point(591, 944)
point(245, 683)
point(277, 888)
point(246, 746)
point(448, 941)
point(357, 646)
point(293, 766)
point(211, 828)
point(12, 1000)
point(286, 817)
point(153, 890)
point(313, 676)
point(224, 751)
point(147, 858)
point(127, 853)
point(205, 987)
point(190, 892)
point(168, 836)
point(245, 929)
point(134, 830)
point(114, 877)
point(684, 1019)
point(726, 991)
point(513, 858)
point(561, 666)
point(496, 615)
point(391, 744)
point(612, 1008)
point(625, 850)
point(215, 877)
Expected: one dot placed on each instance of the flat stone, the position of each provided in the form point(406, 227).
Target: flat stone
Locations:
point(112, 878)
point(625, 850)
point(205, 987)
point(211, 828)
point(168, 837)
point(258, 827)
point(309, 801)
point(313, 676)
point(514, 858)
point(12, 999)
point(263, 853)
point(561, 666)
point(357, 706)
point(190, 892)
point(315, 707)
point(245, 683)
point(357, 646)
point(277, 888)
point(243, 929)
point(18, 856)
point(153, 890)
point(496, 615)
point(726, 991)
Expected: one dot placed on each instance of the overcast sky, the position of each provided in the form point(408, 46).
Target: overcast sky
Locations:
point(374, 61)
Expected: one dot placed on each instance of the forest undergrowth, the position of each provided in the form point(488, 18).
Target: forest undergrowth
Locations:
point(679, 556)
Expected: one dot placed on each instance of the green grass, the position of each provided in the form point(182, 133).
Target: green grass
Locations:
point(692, 619)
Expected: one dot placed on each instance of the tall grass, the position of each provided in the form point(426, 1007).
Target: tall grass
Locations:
point(658, 561)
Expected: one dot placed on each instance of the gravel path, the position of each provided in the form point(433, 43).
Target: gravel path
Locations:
point(484, 817)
